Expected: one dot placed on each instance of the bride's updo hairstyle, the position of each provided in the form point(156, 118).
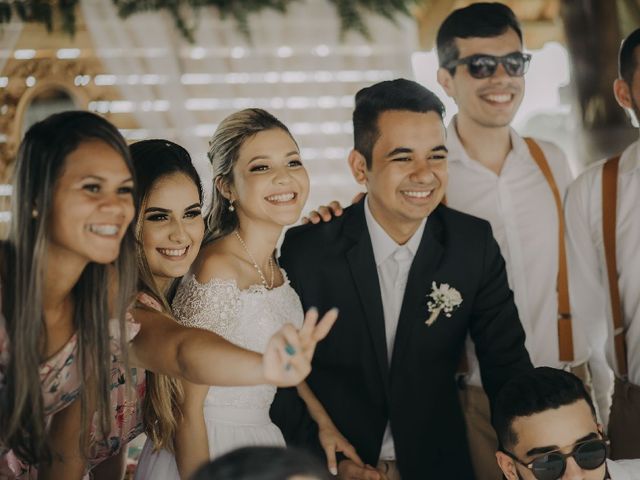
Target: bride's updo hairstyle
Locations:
point(224, 150)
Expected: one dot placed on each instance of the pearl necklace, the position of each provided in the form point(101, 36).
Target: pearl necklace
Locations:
point(255, 264)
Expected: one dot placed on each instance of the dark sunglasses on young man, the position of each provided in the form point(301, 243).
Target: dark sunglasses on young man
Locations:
point(589, 455)
point(515, 64)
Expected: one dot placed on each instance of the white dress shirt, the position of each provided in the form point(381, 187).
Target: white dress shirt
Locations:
point(590, 292)
point(520, 206)
point(624, 469)
point(393, 262)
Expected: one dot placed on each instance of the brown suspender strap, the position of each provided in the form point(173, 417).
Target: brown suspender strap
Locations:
point(609, 201)
point(565, 334)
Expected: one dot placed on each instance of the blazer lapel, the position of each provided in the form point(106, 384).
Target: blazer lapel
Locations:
point(418, 284)
point(365, 275)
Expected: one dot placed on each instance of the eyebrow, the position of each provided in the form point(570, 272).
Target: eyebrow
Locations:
point(102, 179)
point(551, 448)
point(157, 210)
point(166, 210)
point(266, 157)
point(399, 150)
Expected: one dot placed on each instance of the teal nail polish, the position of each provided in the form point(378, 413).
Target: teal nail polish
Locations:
point(290, 349)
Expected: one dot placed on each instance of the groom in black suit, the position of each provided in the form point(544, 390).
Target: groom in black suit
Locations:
point(411, 278)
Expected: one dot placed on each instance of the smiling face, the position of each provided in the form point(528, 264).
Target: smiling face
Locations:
point(408, 174)
point(92, 205)
point(270, 183)
point(172, 227)
point(487, 102)
point(554, 429)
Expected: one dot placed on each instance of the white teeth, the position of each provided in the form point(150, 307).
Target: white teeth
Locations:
point(106, 230)
point(418, 194)
point(173, 252)
point(283, 197)
point(503, 98)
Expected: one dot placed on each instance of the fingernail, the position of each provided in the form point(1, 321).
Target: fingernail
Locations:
point(313, 309)
point(290, 349)
point(333, 470)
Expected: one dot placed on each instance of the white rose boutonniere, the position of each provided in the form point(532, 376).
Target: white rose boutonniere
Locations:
point(442, 298)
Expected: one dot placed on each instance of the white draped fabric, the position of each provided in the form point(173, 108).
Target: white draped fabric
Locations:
point(295, 66)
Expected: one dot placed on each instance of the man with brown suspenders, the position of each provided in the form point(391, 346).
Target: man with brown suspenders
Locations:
point(517, 184)
point(603, 233)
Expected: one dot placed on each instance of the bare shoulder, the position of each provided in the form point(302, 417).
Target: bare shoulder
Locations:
point(215, 261)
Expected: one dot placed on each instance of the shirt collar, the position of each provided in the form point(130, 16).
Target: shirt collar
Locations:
point(630, 160)
point(457, 151)
point(383, 245)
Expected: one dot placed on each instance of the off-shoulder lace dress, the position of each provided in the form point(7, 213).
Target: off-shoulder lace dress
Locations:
point(234, 416)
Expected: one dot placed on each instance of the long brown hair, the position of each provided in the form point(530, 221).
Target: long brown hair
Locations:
point(40, 163)
point(154, 160)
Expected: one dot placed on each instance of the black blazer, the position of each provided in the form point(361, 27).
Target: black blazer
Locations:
point(332, 264)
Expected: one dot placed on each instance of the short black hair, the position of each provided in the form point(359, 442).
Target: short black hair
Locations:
point(626, 59)
point(263, 463)
point(477, 20)
point(535, 391)
point(398, 94)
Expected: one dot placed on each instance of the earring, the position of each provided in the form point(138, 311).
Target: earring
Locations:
point(231, 207)
point(34, 213)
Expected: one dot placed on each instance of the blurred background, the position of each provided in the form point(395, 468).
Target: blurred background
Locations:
point(175, 68)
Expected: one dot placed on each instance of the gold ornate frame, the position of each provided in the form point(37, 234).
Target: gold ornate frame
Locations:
point(15, 98)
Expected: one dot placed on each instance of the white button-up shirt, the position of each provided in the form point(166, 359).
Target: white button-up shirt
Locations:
point(520, 206)
point(590, 300)
point(624, 469)
point(393, 262)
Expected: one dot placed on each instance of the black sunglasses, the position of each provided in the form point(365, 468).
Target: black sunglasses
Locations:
point(515, 64)
point(589, 455)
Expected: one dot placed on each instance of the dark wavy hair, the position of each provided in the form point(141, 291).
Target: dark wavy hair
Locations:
point(532, 392)
point(263, 463)
point(41, 160)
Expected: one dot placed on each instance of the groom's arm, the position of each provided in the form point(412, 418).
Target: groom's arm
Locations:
point(495, 326)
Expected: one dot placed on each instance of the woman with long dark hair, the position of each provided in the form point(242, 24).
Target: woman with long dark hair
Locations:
point(68, 277)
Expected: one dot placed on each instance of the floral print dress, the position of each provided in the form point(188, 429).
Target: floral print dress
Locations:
point(60, 380)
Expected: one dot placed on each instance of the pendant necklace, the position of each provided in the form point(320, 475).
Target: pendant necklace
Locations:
point(255, 264)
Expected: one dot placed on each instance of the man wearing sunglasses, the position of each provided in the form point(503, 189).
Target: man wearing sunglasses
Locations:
point(547, 430)
point(495, 174)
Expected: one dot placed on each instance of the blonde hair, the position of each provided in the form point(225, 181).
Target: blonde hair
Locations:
point(224, 148)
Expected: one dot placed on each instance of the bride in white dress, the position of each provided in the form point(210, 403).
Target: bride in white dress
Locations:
point(237, 290)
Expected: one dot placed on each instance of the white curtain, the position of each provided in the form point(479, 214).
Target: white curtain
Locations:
point(295, 66)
